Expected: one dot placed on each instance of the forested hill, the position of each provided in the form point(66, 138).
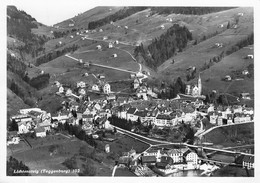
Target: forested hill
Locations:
point(19, 26)
point(164, 47)
point(188, 10)
point(121, 14)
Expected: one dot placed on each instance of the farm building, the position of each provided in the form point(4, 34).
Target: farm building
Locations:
point(114, 55)
point(110, 45)
point(95, 87)
point(162, 27)
point(250, 56)
point(99, 47)
point(105, 38)
point(100, 30)
point(116, 42)
point(106, 88)
point(245, 72)
point(71, 36)
point(228, 78)
point(71, 25)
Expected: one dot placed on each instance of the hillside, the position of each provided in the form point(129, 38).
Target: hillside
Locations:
point(197, 55)
point(82, 20)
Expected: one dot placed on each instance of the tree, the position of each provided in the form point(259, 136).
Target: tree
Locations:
point(228, 25)
point(13, 164)
point(13, 126)
point(88, 170)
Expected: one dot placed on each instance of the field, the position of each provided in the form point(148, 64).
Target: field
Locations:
point(40, 156)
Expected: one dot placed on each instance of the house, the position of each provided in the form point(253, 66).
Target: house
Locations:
point(227, 78)
point(99, 47)
point(40, 132)
point(141, 115)
point(190, 156)
point(60, 42)
point(245, 72)
point(163, 120)
point(12, 138)
point(102, 77)
point(61, 89)
point(176, 155)
point(81, 84)
point(116, 42)
point(87, 118)
point(105, 38)
point(248, 162)
point(126, 27)
point(110, 45)
point(162, 27)
point(132, 76)
point(95, 87)
point(21, 118)
point(68, 92)
point(245, 96)
point(71, 36)
point(100, 30)
point(130, 114)
point(148, 160)
point(250, 56)
point(71, 25)
point(82, 91)
point(114, 55)
point(111, 97)
point(106, 88)
point(26, 111)
point(24, 127)
point(136, 83)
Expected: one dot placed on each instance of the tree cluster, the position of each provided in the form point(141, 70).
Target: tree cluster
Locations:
point(188, 10)
point(13, 164)
point(171, 92)
point(121, 14)
point(121, 123)
point(164, 47)
point(55, 54)
point(40, 81)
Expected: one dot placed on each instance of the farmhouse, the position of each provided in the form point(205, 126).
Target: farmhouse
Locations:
point(40, 132)
point(106, 88)
point(99, 47)
point(110, 45)
point(95, 87)
point(81, 84)
point(105, 38)
point(114, 55)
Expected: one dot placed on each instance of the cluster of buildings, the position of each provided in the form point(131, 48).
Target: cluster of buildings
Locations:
point(160, 161)
point(32, 120)
point(230, 115)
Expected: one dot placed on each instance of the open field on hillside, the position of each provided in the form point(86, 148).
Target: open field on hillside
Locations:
point(83, 19)
point(43, 30)
point(123, 59)
point(40, 157)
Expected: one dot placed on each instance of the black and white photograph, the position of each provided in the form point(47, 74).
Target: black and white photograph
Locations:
point(129, 90)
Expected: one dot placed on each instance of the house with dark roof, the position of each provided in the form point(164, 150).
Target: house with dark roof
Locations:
point(142, 115)
point(248, 162)
point(163, 120)
point(87, 118)
point(130, 114)
point(148, 160)
point(40, 132)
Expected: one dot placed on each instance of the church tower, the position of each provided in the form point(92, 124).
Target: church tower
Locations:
point(199, 86)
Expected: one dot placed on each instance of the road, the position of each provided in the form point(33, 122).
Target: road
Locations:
point(210, 129)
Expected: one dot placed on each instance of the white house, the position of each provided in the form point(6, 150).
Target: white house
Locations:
point(110, 45)
point(81, 84)
point(95, 87)
point(99, 47)
point(191, 157)
point(195, 91)
point(250, 56)
point(136, 83)
point(105, 38)
point(126, 27)
point(162, 27)
point(71, 36)
point(82, 91)
point(106, 88)
point(40, 132)
point(114, 55)
point(24, 127)
point(69, 92)
point(245, 72)
point(26, 111)
point(248, 162)
point(100, 30)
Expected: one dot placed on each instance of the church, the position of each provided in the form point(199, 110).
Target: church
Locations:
point(194, 90)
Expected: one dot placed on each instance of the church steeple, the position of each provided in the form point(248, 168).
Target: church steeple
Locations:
point(199, 85)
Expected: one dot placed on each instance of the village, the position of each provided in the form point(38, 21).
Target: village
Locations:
point(144, 114)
